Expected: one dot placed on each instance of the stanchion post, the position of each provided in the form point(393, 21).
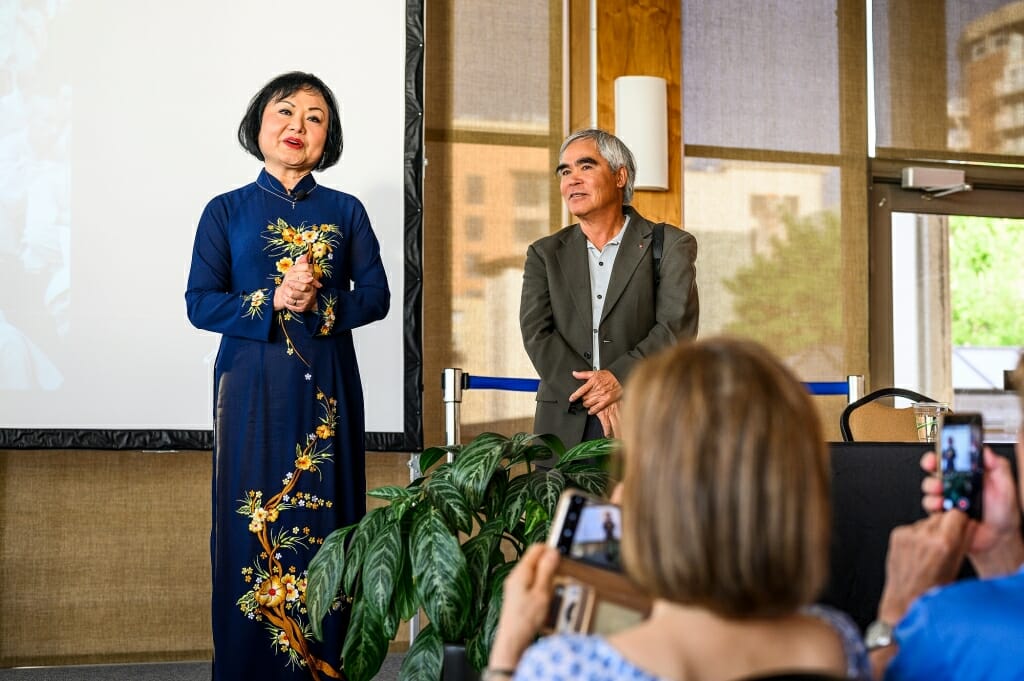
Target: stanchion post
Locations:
point(451, 391)
point(855, 388)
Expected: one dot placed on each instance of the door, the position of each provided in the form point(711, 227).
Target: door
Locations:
point(946, 294)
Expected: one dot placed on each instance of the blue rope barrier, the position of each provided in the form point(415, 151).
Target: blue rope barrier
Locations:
point(525, 385)
point(530, 385)
point(828, 388)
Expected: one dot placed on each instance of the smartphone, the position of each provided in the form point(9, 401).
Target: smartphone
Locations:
point(592, 594)
point(960, 462)
point(587, 529)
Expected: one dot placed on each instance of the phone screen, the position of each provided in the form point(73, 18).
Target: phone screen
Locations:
point(589, 530)
point(960, 461)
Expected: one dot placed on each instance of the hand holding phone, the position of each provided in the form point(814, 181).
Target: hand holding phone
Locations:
point(592, 595)
point(961, 467)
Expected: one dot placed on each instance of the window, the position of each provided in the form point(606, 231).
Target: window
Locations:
point(491, 135)
point(475, 190)
point(533, 189)
point(474, 228)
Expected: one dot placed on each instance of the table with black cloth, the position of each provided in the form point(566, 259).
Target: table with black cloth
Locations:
point(876, 486)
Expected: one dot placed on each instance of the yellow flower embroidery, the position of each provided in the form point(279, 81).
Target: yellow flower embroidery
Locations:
point(327, 317)
point(275, 591)
point(291, 588)
point(271, 593)
point(287, 243)
point(255, 300)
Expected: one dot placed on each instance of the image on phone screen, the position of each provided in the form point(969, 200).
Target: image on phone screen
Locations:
point(960, 456)
point(591, 532)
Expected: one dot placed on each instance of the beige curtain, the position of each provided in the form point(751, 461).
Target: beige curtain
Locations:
point(493, 73)
point(949, 77)
point(774, 126)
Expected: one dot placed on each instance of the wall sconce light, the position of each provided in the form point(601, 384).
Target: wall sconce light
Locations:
point(641, 122)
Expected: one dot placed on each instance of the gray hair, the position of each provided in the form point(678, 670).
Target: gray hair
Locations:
point(613, 150)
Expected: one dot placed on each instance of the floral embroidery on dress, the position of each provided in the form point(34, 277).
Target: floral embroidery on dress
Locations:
point(276, 595)
point(327, 317)
point(255, 300)
point(288, 243)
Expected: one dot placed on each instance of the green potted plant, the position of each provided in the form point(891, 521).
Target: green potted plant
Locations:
point(444, 544)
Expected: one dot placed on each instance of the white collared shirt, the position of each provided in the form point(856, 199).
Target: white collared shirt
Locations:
point(601, 263)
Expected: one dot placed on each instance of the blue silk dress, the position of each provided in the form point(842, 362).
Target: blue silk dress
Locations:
point(288, 456)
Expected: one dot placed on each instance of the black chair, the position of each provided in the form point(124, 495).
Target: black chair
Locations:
point(793, 676)
point(866, 420)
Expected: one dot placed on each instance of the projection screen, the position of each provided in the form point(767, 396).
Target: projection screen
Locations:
point(120, 124)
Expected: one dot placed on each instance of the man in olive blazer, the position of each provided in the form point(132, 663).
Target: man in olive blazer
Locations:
point(566, 281)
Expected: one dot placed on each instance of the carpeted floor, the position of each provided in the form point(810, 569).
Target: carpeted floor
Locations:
point(163, 671)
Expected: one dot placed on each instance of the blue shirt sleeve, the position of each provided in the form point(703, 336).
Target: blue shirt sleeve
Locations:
point(211, 300)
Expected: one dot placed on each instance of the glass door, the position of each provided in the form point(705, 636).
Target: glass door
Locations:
point(947, 295)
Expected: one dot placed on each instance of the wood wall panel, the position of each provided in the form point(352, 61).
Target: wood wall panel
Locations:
point(643, 38)
point(579, 65)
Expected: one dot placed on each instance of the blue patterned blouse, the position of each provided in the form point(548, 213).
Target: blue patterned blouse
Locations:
point(578, 657)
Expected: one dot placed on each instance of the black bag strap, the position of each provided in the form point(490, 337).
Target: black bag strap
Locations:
point(657, 246)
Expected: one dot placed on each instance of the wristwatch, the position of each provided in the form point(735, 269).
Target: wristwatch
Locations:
point(878, 635)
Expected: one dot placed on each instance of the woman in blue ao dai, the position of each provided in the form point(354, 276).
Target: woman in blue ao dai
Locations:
point(283, 268)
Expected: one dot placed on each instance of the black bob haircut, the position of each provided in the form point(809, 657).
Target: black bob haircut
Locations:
point(277, 89)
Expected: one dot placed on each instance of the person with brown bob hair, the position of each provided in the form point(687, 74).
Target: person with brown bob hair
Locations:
point(726, 519)
point(724, 437)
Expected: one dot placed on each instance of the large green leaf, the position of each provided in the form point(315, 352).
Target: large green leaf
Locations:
point(531, 453)
point(365, 532)
point(485, 636)
point(525, 447)
point(536, 523)
point(553, 443)
point(391, 623)
point(447, 497)
point(390, 492)
point(439, 569)
point(406, 602)
point(515, 498)
point(546, 487)
point(520, 440)
point(366, 643)
point(475, 465)
point(587, 477)
point(478, 552)
point(477, 650)
point(325, 570)
point(399, 507)
point(381, 567)
point(591, 449)
point(494, 497)
point(434, 454)
point(425, 658)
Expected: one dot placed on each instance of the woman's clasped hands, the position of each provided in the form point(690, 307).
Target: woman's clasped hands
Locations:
point(297, 292)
